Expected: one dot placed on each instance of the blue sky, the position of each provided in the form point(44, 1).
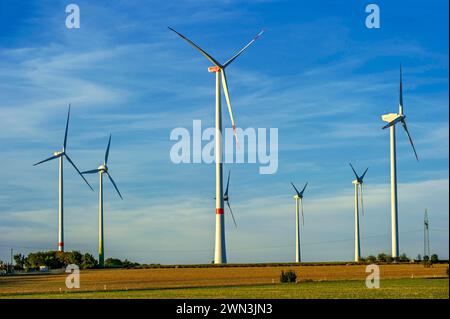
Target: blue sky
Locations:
point(317, 74)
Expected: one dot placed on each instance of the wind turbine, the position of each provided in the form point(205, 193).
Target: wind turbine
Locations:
point(61, 154)
point(220, 256)
point(392, 119)
point(358, 182)
point(102, 169)
point(298, 204)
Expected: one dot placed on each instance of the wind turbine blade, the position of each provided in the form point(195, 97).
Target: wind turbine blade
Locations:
point(230, 109)
point(228, 184)
point(231, 211)
point(243, 49)
point(400, 102)
point(357, 177)
point(46, 160)
point(303, 216)
point(210, 58)
point(301, 193)
point(114, 184)
point(409, 138)
point(94, 171)
point(364, 174)
point(107, 150)
point(362, 202)
point(67, 128)
point(296, 190)
point(76, 168)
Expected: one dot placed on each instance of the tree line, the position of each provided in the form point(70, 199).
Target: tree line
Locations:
point(58, 259)
point(385, 258)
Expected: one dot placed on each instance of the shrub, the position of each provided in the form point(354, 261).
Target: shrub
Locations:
point(371, 259)
point(403, 258)
point(434, 258)
point(117, 263)
point(381, 257)
point(113, 263)
point(288, 276)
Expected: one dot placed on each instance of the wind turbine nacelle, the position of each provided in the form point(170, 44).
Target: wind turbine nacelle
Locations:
point(356, 182)
point(213, 69)
point(297, 197)
point(391, 117)
point(58, 153)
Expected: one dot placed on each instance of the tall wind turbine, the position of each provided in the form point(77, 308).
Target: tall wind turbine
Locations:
point(220, 256)
point(298, 204)
point(102, 169)
point(392, 119)
point(61, 154)
point(358, 182)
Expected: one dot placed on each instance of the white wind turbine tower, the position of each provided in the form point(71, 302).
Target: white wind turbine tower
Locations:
point(102, 169)
point(298, 204)
point(392, 119)
point(220, 256)
point(61, 154)
point(358, 182)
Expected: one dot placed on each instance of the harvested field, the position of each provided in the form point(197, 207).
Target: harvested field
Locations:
point(124, 279)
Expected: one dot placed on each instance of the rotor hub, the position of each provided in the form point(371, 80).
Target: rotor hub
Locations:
point(103, 168)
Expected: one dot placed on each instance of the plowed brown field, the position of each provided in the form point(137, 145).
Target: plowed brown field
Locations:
point(123, 279)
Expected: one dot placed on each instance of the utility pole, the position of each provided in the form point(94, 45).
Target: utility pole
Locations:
point(11, 261)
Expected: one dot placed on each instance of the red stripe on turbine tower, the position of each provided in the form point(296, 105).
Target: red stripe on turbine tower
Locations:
point(60, 244)
point(219, 211)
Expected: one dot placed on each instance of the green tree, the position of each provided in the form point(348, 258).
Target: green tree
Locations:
point(404, 258)
point(88, 261)
point(73, 257)
point(434, 258)
point(419, 257)
point(113, 263)
point(19, 259)
point(381, 257)
point(371, 259)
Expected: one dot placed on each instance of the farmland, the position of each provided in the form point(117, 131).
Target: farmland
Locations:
point(327, 281)
point(390, 288)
